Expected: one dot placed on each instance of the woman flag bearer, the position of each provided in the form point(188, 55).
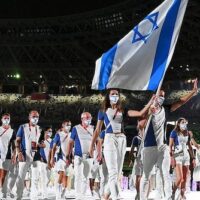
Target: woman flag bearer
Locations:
point(111, 115)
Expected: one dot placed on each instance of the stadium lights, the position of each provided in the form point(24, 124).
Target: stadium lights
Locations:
point(17, 76)
point(109, 21)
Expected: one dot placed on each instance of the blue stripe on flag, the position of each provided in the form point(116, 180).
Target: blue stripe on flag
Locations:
point(163, 47)
point(106, 67)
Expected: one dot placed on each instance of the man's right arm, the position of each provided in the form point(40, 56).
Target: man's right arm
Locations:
point(18, 141)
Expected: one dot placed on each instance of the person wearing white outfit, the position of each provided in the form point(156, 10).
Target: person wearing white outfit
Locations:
point(7, 146)
point(27, 143)
point(81, 137)
point(115, 140)
point(136, 158)
point(180, 157)
point(44, 153)
point(155, 152)
point(112, 115)
point(60, 143)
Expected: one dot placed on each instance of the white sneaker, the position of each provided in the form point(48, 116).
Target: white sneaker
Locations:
point(26, 193)
point(178, 194)
point(157, 195)
point(96, 194)
point(33, 197)
point(69, 194)
point(44, 196)
point(58, 196)
point(1, 195)
point(137, 197)
point(63, 193)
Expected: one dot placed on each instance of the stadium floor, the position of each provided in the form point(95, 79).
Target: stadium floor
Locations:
point(129, 195)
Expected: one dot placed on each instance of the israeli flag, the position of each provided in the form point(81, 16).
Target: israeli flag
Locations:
point(140, 59)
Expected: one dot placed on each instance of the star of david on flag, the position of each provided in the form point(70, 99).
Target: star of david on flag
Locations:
point(140, 59)
point(152, 20)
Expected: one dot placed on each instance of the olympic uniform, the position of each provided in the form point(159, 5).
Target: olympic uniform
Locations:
point(82, 163)
point(114, 147)
point(181, 153)
point(61, 140)
point(7, 138)
point(44, 171)
point(29, 140)
point(156, 152)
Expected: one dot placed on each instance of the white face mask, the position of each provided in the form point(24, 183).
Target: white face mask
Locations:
point(160, 100)
point(183, 126)
point(67, 128)
point(34, 120)
point(87, 122)
point(114, 99)
point(5, 122)
point(49, 133)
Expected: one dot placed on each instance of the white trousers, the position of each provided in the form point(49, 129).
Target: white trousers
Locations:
point(44, 176)
point(10, 179)
point(82, 169)
point(103, 171)
point(23, 168)
point(150, 157)
point(114, 152)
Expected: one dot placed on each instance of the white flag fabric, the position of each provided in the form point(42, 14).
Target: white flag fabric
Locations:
point(140, 59)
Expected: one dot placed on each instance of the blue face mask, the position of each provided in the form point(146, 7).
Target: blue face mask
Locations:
point(114, 99)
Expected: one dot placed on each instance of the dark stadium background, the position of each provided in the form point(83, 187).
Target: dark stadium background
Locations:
point(48, 49)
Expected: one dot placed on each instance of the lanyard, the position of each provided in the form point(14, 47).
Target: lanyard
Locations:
point(48, 141)
point(87, 130)
point(4, 132)
point(65, 138)
point(115, 114)
point(35, 130)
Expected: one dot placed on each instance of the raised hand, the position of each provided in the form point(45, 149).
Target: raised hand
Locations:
point(195, 85)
